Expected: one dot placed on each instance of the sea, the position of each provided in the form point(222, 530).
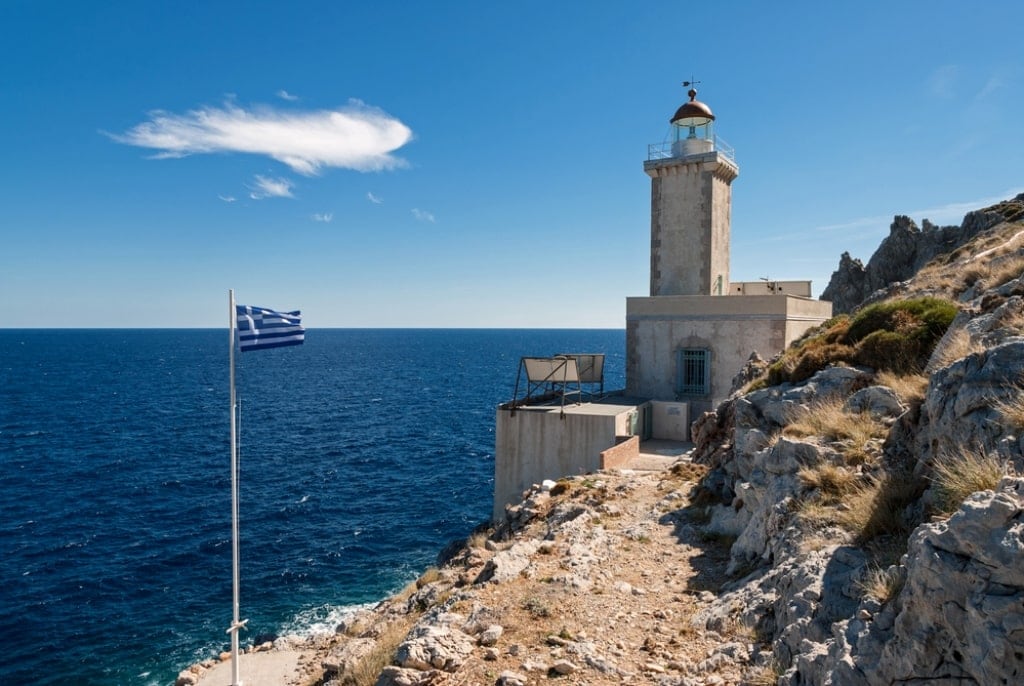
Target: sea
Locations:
point(363, 453)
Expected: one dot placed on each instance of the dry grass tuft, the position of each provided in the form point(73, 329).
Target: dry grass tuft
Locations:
point(880, 508)
point(831, 481)
point(882, 585)
point(765, 675)
point(956, 346)
point(910, 388)
point(429, 576)
point(1011, 412)
point(689, 471)
point(855, 433)
point(477, 540)
point(956, 476)
point(383, 654)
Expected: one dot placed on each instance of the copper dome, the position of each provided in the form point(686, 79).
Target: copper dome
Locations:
point(693, 113)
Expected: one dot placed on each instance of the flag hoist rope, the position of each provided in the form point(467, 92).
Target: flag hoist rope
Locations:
point(236, 623)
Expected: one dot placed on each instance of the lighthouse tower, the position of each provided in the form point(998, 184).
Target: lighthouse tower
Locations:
point(691, 198)
point(692, 334)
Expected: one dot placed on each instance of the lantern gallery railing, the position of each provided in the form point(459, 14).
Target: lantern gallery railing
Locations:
point(663, 151)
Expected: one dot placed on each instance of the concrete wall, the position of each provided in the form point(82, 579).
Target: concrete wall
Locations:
point(670, 420)
point(730, 327)
point(691, 202)
point(534, 444)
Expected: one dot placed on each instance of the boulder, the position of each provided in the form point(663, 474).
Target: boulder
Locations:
point(346, 659)
point(434, 647)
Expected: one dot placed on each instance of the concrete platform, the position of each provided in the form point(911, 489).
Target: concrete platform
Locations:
point(656, 455)
point(272, 668)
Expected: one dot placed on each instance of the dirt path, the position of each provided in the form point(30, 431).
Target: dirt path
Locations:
point(600, 586)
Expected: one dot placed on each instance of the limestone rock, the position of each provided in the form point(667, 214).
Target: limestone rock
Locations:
point(509, 564)
point(436, 647)
point(753, 368)
point(345, 659)
point(398, 676)
point(564, 667)
point(490, 635)
point(510, 678)
point(880, 402)
point(961, 608)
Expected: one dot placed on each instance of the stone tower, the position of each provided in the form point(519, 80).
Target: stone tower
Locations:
point(688, 338)
point(691, 198)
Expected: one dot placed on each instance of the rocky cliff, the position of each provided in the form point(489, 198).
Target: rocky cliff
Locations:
point(905, 251)
point(854, 514)
point(879, 516)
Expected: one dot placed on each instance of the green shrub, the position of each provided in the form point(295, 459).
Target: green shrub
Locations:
point(896, 335)
point(923, 318)
point(891, 351)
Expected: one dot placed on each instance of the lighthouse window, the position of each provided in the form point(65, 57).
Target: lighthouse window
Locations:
point(693, 371)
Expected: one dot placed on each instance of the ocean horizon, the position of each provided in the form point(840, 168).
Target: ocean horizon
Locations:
point(363, 453)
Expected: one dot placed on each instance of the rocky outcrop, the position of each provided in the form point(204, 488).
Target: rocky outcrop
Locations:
point(838, 609)
point(905, 251)
point(959, 617)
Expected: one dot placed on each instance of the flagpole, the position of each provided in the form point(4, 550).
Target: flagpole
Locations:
point(236, 623)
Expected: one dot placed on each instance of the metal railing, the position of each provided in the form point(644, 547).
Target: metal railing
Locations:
point(663, 150)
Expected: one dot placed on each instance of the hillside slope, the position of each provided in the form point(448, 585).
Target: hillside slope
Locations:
point(853, 516)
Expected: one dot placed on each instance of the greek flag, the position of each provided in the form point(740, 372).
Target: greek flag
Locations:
point(260, 328)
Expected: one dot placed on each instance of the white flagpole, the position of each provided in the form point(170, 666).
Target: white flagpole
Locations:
point(236, 623)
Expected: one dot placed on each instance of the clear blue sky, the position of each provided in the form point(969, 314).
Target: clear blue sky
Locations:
point(467, 163)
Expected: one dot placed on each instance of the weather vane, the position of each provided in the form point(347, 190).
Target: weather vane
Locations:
point(691, 82)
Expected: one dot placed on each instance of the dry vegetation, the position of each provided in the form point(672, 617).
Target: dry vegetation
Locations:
point(882, 585)
point(832, 482)
point(383, 654)
point(956, 346)
point(879, 508)
point(957, 476)
point(1011, 412)
point(895, 335)
point(857, 435)
point(910, 388)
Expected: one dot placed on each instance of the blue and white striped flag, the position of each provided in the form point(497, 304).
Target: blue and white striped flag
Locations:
point(260, 328)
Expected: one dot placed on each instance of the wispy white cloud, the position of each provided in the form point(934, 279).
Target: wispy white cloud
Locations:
point(942, 81)
point(324, 217)
point(423, 215)
point(870, 227)
point(356, 136)
point(270, 188)
point(285, 95)
point(993, 84)
point(953, 213)
point(374, 199)
point(941, 215)
point(227, 198)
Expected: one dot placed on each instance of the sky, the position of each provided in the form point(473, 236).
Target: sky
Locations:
point(468, 164)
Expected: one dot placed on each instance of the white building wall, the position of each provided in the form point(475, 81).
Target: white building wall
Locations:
point(730, 327)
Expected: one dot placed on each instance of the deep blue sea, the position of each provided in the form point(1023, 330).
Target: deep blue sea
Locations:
point(363, 453)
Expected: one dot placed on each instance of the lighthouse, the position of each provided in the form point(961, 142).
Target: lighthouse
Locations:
point(685, 341)
point(689, 337)
point(691, 200)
